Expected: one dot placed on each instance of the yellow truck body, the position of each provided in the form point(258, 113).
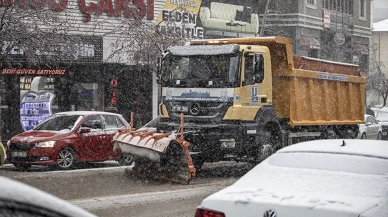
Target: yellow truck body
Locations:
point(318, 92)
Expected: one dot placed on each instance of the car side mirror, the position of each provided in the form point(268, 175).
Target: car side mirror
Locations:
point(85, 130)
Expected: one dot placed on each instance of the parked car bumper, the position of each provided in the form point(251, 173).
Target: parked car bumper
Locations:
point(44, 156)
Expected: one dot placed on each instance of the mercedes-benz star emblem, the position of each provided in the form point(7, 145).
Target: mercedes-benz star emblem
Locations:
point(270, 213)
point(194, 108)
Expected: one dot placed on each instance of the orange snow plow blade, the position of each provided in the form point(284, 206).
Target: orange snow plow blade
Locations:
point(157, 155)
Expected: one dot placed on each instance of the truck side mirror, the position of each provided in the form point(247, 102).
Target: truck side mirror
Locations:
point(258, 68)
point(159, 70)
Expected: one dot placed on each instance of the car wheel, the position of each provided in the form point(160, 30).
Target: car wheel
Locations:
point(125, 160)
point(21, 166)
point(66, 158)
point(379, 136)
point(363, 136)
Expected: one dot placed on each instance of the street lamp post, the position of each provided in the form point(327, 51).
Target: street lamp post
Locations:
point(263, 22)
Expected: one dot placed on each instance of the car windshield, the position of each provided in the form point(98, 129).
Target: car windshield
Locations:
point(202, 71)
point(58, 123)
point(331, 162)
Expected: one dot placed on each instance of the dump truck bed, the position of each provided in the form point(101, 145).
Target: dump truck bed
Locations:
point(319, 98)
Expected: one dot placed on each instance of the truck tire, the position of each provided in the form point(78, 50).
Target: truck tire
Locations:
point(329, 134)
point(198, 161)
point(347, 134)
point(269, 145)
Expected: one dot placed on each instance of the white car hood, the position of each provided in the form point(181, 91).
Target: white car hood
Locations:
point(300, 192)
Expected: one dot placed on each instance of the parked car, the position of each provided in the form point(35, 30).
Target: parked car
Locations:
point(3, 155)
point(382, 118)
point(21, 200)
point(372, 129)
point(66, 138)
point(314, 178)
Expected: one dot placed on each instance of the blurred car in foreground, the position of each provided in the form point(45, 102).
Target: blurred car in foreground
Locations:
point(21, 200)
point(66, 138)
point(3, 155)
point(314, 178)
point(372, 129)
point(382, 118)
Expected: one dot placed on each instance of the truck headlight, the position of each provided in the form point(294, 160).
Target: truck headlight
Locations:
point(48, 144)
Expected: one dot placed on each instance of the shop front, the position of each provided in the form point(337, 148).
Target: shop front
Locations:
point(31, 93)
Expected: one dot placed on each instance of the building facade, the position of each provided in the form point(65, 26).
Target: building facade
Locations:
point(379, 55)
point(336, 30)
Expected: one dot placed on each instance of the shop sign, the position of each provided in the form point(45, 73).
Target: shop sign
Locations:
point(129, 8)
point(179, 18)
point(26, 71)
point(35, 106)
point(326, 18)
point(113, 99)
point(194, 19)
point(339, 38)
point(78, 49)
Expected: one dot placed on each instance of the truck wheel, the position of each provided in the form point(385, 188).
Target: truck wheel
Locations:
point(329, 134)
point(197, 161)
point(363, 136)
point(379, 136)
point(348, 134)
point(267, 146)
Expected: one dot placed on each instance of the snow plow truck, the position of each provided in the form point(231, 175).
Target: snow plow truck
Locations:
point(241, 99)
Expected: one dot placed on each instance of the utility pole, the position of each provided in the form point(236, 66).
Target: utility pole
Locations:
point(263, 22)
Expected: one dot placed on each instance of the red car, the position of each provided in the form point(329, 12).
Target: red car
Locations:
point(66, 138)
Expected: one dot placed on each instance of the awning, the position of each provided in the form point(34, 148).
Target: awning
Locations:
point(360, 48)
point(310, 42)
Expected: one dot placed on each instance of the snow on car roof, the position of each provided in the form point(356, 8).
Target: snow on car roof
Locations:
point(348, 146)
point(86, 113)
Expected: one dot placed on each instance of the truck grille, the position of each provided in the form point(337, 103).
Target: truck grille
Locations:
point(21, 147)
point(199, 112)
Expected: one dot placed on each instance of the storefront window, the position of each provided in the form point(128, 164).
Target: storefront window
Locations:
point(90, 97)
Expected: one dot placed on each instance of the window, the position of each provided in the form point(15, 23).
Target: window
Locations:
point(312, 2)
point(248, 75)
point(343, 6)
point(112, 122)
point(94, 122)
point(362, 8)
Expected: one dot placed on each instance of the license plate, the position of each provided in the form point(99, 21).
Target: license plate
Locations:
point(19, 154)
point(180, 108)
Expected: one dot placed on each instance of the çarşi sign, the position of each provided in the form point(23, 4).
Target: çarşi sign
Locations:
point(129, 8)
point(25, 71)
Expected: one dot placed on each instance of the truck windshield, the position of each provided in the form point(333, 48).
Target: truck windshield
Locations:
point(202, 71)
